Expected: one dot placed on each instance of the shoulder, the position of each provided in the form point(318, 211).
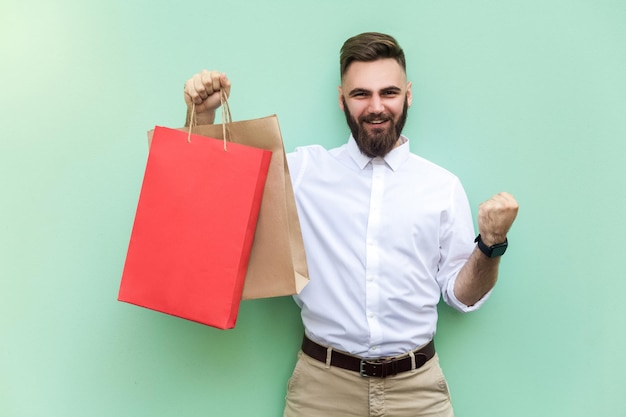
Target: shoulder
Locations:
point(434, 171)
point(315, 153)
point(301, 151)
point(309, 160)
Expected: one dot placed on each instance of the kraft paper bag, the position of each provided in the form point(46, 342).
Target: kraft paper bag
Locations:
point(193, 231)
point(278, 263)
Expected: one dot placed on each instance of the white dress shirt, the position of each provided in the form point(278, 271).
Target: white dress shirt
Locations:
point(385, 238)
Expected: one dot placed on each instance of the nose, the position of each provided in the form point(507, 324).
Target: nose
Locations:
point(375, 104)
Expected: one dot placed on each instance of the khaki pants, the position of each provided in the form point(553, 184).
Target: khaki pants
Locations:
point(315, 390)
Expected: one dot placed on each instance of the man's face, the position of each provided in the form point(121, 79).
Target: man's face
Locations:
point(374, 97)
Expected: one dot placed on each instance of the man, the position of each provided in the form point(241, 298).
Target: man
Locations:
point(386, 233)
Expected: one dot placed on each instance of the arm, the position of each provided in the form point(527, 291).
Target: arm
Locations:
point(202, 90)
point(479, 274)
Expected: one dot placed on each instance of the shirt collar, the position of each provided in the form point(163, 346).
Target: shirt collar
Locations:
point(394, 159)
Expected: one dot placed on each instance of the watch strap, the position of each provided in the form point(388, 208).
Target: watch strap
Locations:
point(492, 251)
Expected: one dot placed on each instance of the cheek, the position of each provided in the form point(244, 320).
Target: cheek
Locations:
point(357, 109)
point(397, 109)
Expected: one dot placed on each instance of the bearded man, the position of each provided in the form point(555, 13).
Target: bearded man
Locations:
point(387, 234)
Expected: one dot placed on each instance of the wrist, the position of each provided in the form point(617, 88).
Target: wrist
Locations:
point(490, 239)
point(204, 118)
point(491, 250)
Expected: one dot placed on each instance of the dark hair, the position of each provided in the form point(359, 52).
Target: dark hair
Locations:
point(370, 46)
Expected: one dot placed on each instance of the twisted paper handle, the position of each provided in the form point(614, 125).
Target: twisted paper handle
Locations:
point(192, 121)
point(226, 119)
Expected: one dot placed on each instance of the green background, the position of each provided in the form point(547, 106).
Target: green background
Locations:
point(523, 96)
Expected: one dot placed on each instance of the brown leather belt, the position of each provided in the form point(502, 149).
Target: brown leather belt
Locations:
point(370, 367)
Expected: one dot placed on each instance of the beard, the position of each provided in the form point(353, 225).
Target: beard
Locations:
point(380, 141)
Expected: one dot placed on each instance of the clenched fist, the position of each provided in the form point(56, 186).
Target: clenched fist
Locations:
point(495, 217)
point(203, 91)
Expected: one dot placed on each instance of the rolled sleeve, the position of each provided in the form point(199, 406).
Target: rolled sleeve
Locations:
point(452, 301)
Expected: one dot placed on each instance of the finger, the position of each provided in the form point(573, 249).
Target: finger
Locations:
point(506, 201)
point(215, 81)
point(207, 78)
point(191, 95)
point(506, 197)
point(225, 83)
point(186, 92)
point(202, 92)
point(210, 80)
point(502, 200)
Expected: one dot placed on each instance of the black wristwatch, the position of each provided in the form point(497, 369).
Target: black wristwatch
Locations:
point(492, 251)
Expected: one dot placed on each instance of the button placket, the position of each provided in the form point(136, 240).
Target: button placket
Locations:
point(372, 289)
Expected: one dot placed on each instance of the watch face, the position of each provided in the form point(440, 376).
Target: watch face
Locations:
point(498, 250)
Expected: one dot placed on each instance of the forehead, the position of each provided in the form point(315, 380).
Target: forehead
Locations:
point(374, 75)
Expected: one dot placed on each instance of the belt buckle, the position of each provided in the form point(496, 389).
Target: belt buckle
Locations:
point(375, 363)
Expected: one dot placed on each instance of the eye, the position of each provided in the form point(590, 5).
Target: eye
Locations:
point(360, 93)
point(390, 93)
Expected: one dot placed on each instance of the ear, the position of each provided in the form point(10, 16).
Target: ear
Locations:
point(339, 98)
point(409, 93)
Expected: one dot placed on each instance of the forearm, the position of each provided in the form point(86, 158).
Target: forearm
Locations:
point(480, 272)
point(476, 278)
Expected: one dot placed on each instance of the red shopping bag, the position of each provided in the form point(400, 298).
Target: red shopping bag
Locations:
point(194, 226)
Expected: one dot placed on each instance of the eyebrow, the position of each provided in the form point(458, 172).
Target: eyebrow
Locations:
point(356, 91)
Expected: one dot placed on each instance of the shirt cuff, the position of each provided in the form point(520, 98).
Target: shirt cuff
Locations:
point(454, 302)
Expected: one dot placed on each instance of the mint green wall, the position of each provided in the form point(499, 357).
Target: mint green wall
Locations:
point(524, 96)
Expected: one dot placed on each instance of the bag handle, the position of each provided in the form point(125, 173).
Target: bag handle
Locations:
point(227, 118)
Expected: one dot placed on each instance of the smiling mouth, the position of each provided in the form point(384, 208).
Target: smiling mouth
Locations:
point(376, 121)
point(376, 125)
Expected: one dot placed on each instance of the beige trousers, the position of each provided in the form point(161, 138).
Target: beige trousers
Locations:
point(315, 390)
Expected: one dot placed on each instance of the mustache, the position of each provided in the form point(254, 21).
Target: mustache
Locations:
point(375, 117)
